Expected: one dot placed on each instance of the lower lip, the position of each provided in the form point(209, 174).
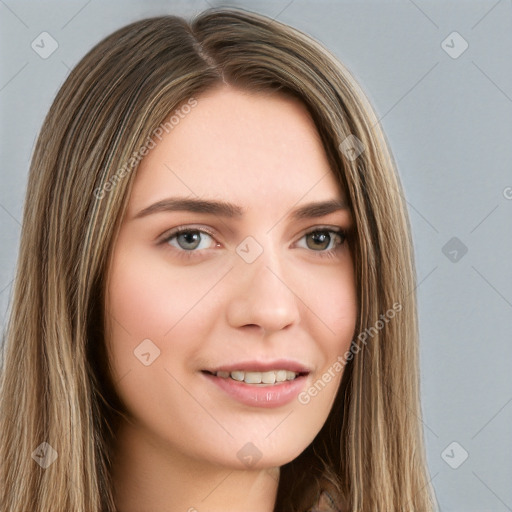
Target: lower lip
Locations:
point(273, 395)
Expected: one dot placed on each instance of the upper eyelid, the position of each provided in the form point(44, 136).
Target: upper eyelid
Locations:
point(180, 229)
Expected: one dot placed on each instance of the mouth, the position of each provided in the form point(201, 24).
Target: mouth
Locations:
point(257, 383)
point(255, 387)
point(259, 378)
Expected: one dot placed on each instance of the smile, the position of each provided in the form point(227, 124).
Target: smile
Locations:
point(259, 389)
point(262, 378)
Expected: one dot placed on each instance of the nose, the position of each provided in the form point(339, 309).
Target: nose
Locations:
point(261, 296)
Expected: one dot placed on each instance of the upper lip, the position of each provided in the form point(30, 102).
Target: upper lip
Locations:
point(262, 366)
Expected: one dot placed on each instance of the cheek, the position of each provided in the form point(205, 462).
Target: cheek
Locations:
point(333, 312)
point(171, 307)
point(337, 309)
point(153, 333)
point(332, 301)
point(148, 298)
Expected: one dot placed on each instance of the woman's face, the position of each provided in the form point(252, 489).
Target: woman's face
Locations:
point(250, 291)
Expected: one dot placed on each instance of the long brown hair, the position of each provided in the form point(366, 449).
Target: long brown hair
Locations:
point(56, 396)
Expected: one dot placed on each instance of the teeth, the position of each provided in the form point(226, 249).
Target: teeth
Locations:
point(253, 377)
point(290, 375)
point(281, 375)
point(270, 377)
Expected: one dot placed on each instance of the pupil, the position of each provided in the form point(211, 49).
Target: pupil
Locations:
point(190, 237)
point(321, 238)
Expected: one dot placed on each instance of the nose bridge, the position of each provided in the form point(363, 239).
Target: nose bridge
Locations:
point(261, 296)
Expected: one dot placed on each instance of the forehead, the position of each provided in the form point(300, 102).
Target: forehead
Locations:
point(240, 145)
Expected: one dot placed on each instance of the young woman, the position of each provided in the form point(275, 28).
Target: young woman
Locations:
point(214, 304)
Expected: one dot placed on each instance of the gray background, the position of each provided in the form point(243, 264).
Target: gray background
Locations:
point(448, 121)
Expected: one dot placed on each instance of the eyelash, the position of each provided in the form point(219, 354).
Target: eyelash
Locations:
point(195, 253)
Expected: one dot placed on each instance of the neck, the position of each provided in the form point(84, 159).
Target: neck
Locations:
point(149, 476)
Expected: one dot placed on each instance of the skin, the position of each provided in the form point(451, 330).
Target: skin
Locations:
point(179, 450)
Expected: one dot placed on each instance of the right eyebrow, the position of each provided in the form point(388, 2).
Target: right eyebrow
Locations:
point(220, 208)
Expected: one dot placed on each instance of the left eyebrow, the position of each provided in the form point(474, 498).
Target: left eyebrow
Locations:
point(319, 209)
point(224, 209)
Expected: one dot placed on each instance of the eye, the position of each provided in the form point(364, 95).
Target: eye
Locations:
point(189, 239)
point(326, 240)
point(190, 242)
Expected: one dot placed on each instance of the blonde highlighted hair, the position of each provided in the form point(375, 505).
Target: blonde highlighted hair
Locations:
point(55, 381)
